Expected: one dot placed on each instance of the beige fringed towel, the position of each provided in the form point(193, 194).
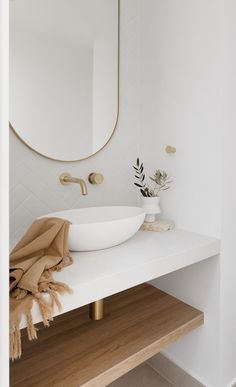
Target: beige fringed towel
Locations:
point(42, 250)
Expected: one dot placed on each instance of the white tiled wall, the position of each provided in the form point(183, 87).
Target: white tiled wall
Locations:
point(34, 186)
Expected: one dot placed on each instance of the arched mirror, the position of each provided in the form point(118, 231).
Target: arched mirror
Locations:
point(64, 75)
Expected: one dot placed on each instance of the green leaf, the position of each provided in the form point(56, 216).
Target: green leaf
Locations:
point(143, 192)
point(138, 185)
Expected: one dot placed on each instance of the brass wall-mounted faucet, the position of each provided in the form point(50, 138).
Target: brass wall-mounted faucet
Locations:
point(66, 178)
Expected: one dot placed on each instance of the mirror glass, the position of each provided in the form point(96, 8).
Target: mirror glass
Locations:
point(64, 75)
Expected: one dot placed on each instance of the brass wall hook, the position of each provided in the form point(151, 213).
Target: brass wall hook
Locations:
point(170, 149)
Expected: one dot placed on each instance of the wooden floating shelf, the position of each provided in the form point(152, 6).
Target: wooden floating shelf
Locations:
point(76, 351)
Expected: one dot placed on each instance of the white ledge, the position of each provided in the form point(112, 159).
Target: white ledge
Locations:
point(148, 255)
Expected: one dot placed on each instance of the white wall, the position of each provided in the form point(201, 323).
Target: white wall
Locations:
point(180, 106)
point(188, 100)
point(228, 266)
point(34, 185)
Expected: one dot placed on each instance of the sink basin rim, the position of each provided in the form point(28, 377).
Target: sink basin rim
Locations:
point(71, 214)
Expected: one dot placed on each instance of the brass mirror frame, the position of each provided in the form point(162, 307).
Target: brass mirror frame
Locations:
point(118, 108)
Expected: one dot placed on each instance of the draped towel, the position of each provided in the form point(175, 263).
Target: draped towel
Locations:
point(42, 250)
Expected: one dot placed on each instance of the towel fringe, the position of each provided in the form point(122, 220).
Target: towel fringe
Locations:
point(45, 309)
point(15, 342)
point(60, 287)
point(31, 329)
point(55, 300)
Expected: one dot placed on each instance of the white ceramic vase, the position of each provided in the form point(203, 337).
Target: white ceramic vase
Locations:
point(151, 206)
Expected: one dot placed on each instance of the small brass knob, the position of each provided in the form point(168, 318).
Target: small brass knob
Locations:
point(170, 149)
point(95, 178)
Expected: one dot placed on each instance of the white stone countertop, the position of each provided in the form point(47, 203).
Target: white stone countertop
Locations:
point(146, 256)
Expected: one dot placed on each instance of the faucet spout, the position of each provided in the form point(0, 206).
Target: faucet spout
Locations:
point(66, 178)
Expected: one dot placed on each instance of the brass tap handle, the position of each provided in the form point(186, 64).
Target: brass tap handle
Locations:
point(170, 149)
point(95, 178)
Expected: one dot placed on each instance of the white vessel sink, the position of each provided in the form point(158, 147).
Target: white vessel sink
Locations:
point(97, 228)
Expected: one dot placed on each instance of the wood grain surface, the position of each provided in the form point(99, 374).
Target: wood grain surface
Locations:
point(76, 351)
